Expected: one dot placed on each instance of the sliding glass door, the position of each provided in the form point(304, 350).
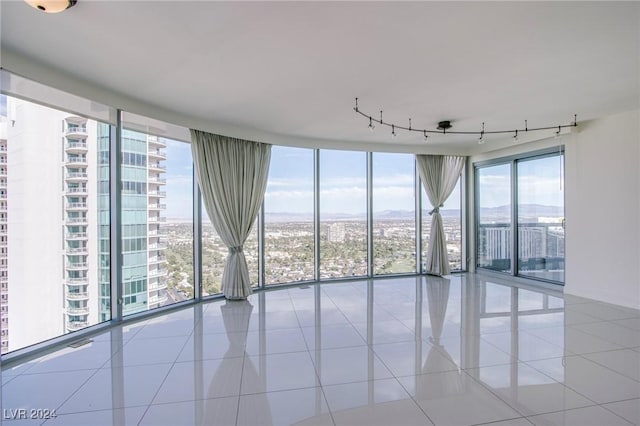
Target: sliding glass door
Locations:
point(494, 217)
point(520, 215)
point(541, 217)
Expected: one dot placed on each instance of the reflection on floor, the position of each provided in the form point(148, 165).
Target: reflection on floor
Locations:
point(419, 350)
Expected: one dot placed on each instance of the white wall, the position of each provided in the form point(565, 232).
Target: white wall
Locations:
point(602, 207)
point(603, 210)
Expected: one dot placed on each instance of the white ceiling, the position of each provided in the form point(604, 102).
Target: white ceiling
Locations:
point(292, 70)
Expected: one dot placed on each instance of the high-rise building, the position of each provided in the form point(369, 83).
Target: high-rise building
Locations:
point(58, 267)
point(336, 232)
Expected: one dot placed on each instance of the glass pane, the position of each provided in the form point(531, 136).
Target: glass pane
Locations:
point(452, 221)
point(343, 214)
point(288, 203)
point(179, 226)
point(541, 218)
point(54, 223)
point(157, 222)
point(394, 214)
point(214, 256)
point(494, 217)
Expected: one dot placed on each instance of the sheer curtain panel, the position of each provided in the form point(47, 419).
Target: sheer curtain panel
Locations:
point(232, 174)
point(439, 174)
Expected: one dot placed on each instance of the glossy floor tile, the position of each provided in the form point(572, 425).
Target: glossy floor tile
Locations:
point(589, 416)
point(464, 350)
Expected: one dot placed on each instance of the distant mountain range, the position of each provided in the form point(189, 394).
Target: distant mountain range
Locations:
point(381, 215)
point(525, 210)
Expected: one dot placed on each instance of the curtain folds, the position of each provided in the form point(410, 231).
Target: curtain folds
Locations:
point(439, 174)
point(233, 177)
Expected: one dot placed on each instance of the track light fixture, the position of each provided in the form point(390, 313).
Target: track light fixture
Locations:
point(51, 6)
point(481, 140)
point(445, 126)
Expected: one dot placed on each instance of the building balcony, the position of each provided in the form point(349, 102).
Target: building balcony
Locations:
point(77, 266)
point(3, 184)
point(75, 146)
point(156, 300)
point(76, 236)
point(77, 311)
point(3, 172)
point(76, 325)
point(76, 161)
point(76, 206)
point(76, 176)
point(157, 273)
point(77, 250)
point(76, 131)
point(157, 206)
point(157, 246)
point(3, 160)
point(156, 142)
point(3, 220)
point(156, 219)
point(76, 191)
point(159, 285)
point(157, 167)
point(155, 233)
point(157, 193)
point(75, 281)
point(157, 260)
point(157, 181)
point(3, 207)
point(157, 153)
point(77, 296)
point(76, 220)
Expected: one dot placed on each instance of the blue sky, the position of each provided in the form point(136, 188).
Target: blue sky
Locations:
point(290, 186)
point(538, 182)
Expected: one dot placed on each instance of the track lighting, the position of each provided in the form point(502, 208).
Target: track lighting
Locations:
point(557, 133)
point(444, 127)
point(426, 137)
point(51, 6)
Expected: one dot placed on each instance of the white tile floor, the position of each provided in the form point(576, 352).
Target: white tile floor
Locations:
point(461, 351)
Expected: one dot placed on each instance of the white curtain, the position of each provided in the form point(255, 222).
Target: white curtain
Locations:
point(233, 176)
point(439, 174)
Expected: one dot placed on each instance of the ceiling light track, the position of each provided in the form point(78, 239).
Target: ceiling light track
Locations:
point(445, 126)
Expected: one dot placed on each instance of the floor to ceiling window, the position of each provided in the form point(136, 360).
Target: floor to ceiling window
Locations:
point(157, 220)
point(525, 194)
point(54, 223)
point(493, 195)
point(394, 214)
point(288, 219)
point(343, 214)
point(541, 217)
point(327, 214)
